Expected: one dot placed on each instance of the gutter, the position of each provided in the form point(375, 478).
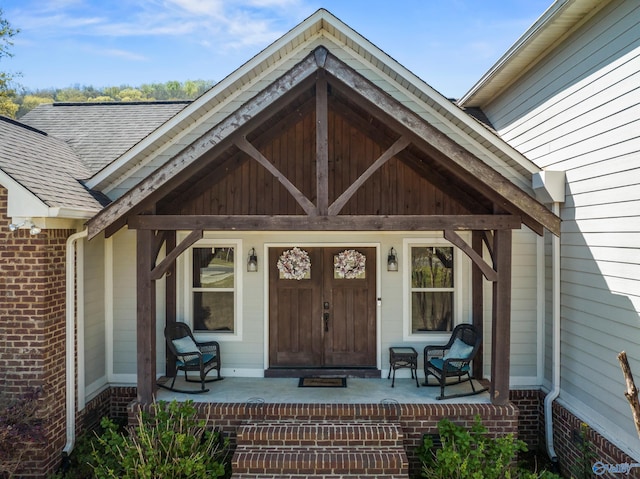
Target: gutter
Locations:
point(70, 341)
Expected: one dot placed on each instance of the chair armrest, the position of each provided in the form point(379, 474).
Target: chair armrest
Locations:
point(439, 349)
point(209, 346)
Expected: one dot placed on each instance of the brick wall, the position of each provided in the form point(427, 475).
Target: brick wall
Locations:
point(32, 329)
point(567, 444)
point(530, 403)
point(415, 419)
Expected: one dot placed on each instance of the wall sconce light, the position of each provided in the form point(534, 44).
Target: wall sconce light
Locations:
point(33, 229)
point(392, 260)
point(252, 262)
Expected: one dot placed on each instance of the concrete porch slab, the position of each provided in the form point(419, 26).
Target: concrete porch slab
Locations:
point(286, 391)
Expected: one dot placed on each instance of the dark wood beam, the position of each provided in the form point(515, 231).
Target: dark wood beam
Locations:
point(400, 144)
point(477, 302)
point(325, 223)
point(146, 318)
point(374, 100)
point(158, 240)
point(172, 171)
point(172, 255)
point(477, 259)
point(322, 143)
point(501, 320)
point(254, 153)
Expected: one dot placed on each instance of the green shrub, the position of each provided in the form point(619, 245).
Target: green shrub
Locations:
point(168, 442)
point(472, 454)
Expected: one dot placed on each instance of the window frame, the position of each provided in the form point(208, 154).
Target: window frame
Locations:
point(458, 286)
point(189, 290)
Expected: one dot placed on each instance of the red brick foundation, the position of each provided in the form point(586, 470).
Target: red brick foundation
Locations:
point(530, 403)
point(567, 444)
point(416, 420)
point(32, 330)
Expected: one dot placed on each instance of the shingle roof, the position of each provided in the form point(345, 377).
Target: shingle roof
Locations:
point(46, 166)
point(101, 132)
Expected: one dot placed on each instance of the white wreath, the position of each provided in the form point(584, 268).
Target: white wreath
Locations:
point(349, 264)
point(294, 263)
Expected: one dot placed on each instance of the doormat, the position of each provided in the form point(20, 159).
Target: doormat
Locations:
point(322, 383)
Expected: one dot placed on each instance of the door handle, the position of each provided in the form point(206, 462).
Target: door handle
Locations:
point(326, 322)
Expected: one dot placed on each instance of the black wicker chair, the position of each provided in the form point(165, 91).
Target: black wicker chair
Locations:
point(453, 360)
point(191, 356)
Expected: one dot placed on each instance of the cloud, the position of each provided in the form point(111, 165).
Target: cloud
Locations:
point(223, 23)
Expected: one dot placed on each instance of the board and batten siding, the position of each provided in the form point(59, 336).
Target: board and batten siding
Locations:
point(248, 357)
point(578, 110)
point(94, 315)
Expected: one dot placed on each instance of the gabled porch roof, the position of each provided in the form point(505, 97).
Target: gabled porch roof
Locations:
point(322, 69)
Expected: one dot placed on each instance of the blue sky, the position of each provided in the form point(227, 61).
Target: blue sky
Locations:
point(62, 43)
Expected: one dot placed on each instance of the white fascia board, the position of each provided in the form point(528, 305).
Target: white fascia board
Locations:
point(515, 49)
point(23, 204)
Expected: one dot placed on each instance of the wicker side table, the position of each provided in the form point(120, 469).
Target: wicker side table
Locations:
point(403, 357)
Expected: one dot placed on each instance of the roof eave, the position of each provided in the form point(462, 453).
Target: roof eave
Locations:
point(532, 46)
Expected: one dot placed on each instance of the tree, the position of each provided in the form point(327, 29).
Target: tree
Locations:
point(7, 88)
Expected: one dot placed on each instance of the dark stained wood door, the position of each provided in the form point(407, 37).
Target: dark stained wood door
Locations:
point(323, 320)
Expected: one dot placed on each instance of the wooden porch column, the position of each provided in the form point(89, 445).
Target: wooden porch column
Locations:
point(501, 320)
point(477, 300)
point(146, 317)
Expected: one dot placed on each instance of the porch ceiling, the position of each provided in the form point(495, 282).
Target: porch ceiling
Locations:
point(398, 132)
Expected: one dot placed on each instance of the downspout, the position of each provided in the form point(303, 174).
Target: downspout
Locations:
point(555, 362)
point(70, 343)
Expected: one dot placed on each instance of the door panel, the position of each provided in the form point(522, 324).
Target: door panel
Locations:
point(294, 337)
point(351, 337)
point(322, 321)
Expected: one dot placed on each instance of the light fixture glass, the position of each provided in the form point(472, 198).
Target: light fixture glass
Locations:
point(392, 260)
point(33, 229)
point(252, 262)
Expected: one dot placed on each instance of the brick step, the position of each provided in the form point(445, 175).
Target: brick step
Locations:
point(295, 449)
point(313, 462)
point(295, 433)
point(319, 476)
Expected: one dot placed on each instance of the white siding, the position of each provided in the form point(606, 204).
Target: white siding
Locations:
point(248, 356)
point(525, 304)
point(124, 303)
point(94, 312)
point(579, 111)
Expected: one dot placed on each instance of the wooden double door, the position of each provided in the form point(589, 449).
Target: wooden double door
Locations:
point(324, 320)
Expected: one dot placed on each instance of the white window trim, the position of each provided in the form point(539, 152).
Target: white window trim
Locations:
point(458, 289)
point(185, 307)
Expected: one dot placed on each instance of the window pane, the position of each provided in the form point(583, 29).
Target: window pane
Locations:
point(431, 311)
point(213, 311)
point(431, 267)
point(213, 268)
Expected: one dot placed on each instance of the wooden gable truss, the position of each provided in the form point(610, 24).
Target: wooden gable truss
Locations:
point(389, 171)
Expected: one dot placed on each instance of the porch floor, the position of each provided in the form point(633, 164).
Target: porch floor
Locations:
point(286, 390)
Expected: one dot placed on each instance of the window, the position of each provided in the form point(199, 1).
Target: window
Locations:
point(431, 288)
point(213, 288)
